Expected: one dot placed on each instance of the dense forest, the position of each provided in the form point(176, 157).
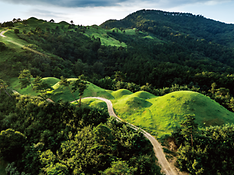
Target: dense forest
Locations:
point(204, 150)
point(42, 137)
point(165, 52)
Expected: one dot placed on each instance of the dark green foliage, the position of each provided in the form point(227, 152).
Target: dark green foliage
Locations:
point(210, 152)
point(119, 168)
point(181, 56)
point(189, 53)
point(167, 23)
point(58, 138)
point(189, 128)
point(16, 31)
point(11, 144)
point(2, 47)
point(3, 87)
point(12, 170)
point(80, 84)
point(25, 78)
point(40, 85)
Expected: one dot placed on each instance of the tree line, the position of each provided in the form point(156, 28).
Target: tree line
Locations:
point(204, 150)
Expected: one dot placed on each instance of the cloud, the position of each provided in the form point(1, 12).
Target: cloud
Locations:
point(111, 3)
point(45, 13)
point(69, 3)
point(178, 3)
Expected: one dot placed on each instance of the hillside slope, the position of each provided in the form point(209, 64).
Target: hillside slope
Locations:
point(161, 115)
point(176, 22)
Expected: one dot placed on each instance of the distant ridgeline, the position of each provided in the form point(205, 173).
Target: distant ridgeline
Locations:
point(184, 23)
point(160, 12)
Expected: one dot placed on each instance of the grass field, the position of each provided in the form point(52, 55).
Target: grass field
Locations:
point(93, 103)
point(64, 93)
point(158, 115)
point(98, 32)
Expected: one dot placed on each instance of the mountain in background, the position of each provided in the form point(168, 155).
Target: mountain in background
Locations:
point(162, 23)
point(148, 46)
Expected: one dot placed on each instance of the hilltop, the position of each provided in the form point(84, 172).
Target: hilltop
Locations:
point(161, 115)
point(176, 23)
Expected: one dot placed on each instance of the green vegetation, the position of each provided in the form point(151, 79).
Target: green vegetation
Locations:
point(204, 151)
point(44, 137)
point(158, 68)
point(2, 167)
point(161, 115)
point(63, 93)
point(105, 39)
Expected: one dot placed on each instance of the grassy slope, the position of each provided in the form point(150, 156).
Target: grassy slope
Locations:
point(63, 92)
point(93, 103)
point(158, 115)
point(17, 46)
point(107, 40)
point(98, 32)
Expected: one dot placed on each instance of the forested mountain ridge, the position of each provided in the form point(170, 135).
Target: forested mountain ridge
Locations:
point(177, 23)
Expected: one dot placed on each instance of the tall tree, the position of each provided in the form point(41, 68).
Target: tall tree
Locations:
point(41, 86)
point(189, 127)
point(11, 144)
point(25, 78)
point(120, 76)
point(3, 86)
point(64, 82)
point(80, 84)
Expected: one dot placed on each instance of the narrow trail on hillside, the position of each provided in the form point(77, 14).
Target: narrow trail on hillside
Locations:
point(167, 168)
point(1, 34)
point(20, 45)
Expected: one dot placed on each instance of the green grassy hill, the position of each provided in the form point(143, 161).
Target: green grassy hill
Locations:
point(64, 93)
point(158, 115)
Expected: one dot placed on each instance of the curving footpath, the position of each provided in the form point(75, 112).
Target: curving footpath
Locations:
point(1, 34)
point(166, 167)
point(22, 46)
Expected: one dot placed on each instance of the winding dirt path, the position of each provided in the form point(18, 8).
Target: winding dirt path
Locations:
point(1, 34)
point(165, 165)
point(20, 45)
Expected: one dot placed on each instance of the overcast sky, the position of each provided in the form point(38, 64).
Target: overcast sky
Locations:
point(89, 12)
